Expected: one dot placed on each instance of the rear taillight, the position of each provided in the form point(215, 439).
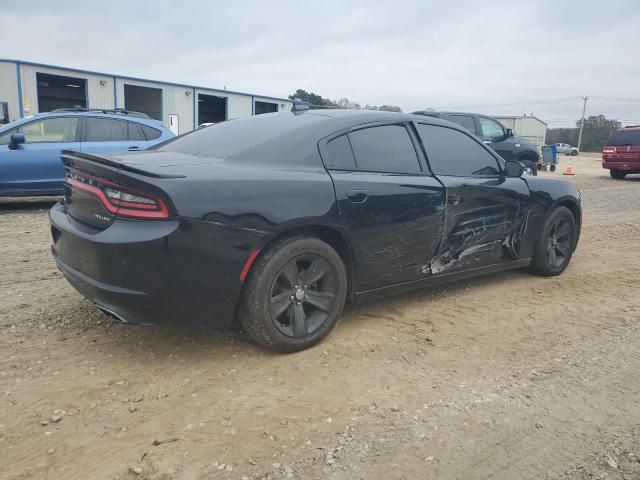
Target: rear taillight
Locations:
point(119, 200)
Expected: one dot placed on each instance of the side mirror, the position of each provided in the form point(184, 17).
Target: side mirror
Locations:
point(509, 133)
point(513, 168)
point(16, 139)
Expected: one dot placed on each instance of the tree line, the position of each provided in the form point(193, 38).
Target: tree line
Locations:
point(595, 133)
point(316, 101)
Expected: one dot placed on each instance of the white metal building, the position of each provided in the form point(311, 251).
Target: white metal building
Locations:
point(529, 127)
point(28, 88)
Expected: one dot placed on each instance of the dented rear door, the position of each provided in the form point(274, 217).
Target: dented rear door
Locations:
point(390, 206)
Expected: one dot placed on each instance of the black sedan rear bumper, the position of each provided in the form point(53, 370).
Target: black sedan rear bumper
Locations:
point(179, 272)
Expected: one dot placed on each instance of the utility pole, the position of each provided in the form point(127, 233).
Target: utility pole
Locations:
point(584, 108)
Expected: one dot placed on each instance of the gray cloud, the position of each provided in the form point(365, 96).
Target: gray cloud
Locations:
point(414, 54)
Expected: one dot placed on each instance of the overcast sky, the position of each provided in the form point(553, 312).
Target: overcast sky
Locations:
point(414, 54)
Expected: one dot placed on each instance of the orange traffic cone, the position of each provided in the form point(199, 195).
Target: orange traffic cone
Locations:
point(569, 170)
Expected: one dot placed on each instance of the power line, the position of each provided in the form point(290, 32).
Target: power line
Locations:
point(529, 102)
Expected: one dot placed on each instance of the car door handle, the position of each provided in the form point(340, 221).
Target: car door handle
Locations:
point(357, 196)
point(133, 148)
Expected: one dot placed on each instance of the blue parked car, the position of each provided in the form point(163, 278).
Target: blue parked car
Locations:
point(30, 148)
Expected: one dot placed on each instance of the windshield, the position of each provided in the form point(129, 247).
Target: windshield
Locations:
point(624, 137)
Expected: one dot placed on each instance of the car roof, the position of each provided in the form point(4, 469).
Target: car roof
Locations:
point(630, 127)
point(444, 112)
point(345, 118)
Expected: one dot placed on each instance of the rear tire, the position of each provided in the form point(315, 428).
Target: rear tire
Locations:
point(556, 244)
point(617, 174)
point(294, 295)
point(552, 168)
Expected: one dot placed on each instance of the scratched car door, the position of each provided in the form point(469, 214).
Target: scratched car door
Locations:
point(486, 212)
point(390, 205)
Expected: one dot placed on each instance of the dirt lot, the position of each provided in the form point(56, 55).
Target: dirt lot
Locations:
point(505, 377)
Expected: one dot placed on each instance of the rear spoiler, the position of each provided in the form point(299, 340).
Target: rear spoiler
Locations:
point(70, 157)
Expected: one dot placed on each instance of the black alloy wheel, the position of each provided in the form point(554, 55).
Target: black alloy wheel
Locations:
point(302, 295)
point(559, 243)
point(556, 243)
point(294, 294)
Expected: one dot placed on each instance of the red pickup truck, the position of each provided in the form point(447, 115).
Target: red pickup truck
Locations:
point(621, 155)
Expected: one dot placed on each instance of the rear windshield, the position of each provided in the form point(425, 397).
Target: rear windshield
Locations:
point(233, 137)
point(624, 137)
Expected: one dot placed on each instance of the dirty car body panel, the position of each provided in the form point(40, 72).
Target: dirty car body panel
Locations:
point(217, 198)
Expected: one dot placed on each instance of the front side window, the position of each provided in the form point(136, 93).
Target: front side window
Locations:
point(386, 148)
point(59, 129)
point(105, 130)
point(451, 152)
point(465, 121)
point(491, 130)
point(5, 138)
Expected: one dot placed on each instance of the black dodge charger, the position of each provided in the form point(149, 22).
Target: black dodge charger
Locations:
point(277, 220)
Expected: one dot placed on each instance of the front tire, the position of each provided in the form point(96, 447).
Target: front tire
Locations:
point(531, 168)
point(294, 295)
point(617, 174)
point(556, 244)
point(574, 153)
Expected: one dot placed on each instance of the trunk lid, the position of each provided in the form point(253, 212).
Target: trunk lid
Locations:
point(100, 188)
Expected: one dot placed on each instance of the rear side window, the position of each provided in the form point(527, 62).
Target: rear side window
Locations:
point(465, 121)
point(150, 132)
point(134, 132)
point(451, 152)
point(339, 154)
point(386, 148)
point(622, 138)
point(105, 130)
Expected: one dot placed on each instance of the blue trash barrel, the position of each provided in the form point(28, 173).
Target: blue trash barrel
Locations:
point(550, 154)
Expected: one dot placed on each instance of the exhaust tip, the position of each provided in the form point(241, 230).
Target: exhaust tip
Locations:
point(112, 314)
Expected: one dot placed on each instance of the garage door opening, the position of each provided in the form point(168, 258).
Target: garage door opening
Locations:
point(211, 109)
point(265, 107)
point(143, 99)
point(56, 91)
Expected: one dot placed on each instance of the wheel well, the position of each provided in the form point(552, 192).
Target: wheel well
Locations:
point(528, 156)
point(575, 209)
point(331, 236)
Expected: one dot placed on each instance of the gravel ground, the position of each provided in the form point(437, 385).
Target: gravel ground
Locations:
point(509, 376)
